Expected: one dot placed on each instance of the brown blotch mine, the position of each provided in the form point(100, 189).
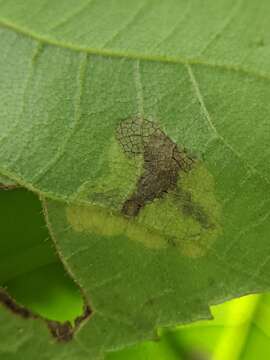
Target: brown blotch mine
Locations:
point(162, 161)
point(63, 332)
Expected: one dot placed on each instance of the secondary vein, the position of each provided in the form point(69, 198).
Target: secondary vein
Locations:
point(134, 56)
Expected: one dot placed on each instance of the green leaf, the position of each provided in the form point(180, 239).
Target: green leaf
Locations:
point(145, 125)
point(30, 269)
point(6, 183)
point(239, 331)
point(21, 338)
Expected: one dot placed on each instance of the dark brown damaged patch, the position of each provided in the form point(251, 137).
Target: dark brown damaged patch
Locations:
point(9, 187)
point(162, 161)
point(63, 332)
point(190, 208)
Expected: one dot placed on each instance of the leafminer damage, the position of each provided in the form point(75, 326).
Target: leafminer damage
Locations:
point(181, 182)
point(61, 331)
point(162, 161)
point(153, 192)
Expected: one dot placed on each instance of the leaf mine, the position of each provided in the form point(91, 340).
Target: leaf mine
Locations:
point(172, 203)
point(163, 161)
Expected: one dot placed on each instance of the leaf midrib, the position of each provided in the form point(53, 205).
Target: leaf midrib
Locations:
point(139, 57)
point(132, 55)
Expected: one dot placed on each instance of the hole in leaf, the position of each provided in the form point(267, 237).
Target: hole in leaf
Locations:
point(33, 280)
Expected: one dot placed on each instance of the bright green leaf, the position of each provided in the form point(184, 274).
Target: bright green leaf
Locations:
point(81, 82)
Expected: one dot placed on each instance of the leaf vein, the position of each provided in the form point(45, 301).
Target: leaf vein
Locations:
point(134, 17)
point(30, 75)
point(77, 116)
point(71, 16)
point(226, 23)
point(212, 126)
point(139, 88)
point(134, 56)
point(174, 29)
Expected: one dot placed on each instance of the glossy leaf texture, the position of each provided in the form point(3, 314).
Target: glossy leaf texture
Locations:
point(97, 100)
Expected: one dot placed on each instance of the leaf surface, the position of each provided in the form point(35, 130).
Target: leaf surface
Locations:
point(195, 79)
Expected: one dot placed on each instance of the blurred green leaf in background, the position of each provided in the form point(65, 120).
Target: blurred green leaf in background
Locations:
point(30, 269)
point(240, 330)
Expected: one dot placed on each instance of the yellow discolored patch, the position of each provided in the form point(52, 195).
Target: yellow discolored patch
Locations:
point(189, 217)
point(163, 223)
point(101, 222)
point(114, 184)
